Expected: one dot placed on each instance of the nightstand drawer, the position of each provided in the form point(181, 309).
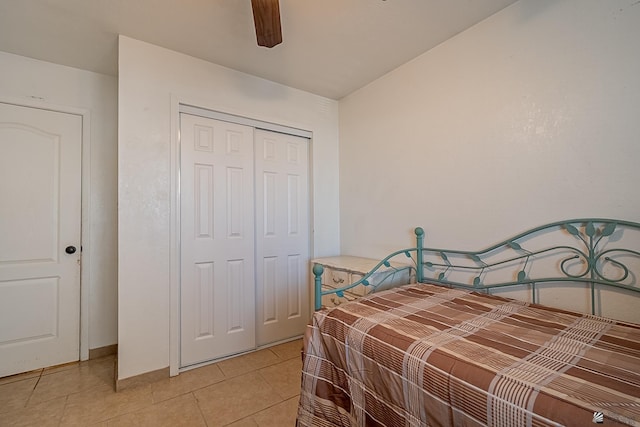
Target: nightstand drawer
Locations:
point(336, 278)
point(360, 289)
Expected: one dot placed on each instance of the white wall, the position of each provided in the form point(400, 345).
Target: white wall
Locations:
point(149, 78)
point(529, 117)
point(46, 84)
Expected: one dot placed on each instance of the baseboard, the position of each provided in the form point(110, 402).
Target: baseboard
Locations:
point(142, 379)
point(108, 350)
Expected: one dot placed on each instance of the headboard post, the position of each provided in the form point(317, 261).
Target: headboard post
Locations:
point(419, 244)
point(592, 266)
point(317, 272)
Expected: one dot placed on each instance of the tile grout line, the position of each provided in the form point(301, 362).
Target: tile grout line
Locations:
point(262, 410)
point(33, 390)
point(199, 408)
point(64, 408)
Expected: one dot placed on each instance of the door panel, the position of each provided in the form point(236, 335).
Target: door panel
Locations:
point(282, 235)
point(217, 239)
point(40, 215)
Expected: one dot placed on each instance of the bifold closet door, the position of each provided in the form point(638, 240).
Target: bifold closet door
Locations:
point(217, 239)
point(282, 235)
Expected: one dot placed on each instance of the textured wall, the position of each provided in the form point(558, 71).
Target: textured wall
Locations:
point(150, 78)
point(57, 86)
point(526, 118)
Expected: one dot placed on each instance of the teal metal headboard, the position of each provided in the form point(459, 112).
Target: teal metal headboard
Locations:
point(593, 251)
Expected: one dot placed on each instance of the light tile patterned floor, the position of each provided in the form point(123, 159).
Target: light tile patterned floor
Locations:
point(256, 389)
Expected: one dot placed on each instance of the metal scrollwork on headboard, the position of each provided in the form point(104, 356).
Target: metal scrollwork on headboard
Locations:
point(592, 251)
point(592, 257)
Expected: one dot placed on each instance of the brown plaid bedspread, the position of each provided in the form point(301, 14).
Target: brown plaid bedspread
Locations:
point(426, 355)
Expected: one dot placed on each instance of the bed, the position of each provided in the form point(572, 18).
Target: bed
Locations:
point(452, 350)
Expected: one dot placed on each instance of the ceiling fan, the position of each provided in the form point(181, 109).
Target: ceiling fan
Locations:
point(266, 17)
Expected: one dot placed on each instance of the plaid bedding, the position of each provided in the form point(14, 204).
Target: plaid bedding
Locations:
point(426, 355)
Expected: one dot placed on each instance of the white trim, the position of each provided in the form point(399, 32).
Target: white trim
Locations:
point(174, 240)
point(258, 124)
point(182, 105)
point(85, 263)
point(85, 231)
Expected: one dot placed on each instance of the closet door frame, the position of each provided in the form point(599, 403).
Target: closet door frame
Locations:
point(179, 105)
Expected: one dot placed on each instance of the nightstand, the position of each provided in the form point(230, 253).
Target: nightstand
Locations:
point(341, 270)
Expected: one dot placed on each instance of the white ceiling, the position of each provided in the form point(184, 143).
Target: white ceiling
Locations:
point(330, 47)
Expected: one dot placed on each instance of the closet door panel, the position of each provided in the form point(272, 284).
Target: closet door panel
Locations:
point(217, 278)
point(282, 235)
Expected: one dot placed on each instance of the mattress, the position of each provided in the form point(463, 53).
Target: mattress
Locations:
point(424, 354)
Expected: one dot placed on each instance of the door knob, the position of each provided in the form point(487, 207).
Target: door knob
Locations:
point(70, 250)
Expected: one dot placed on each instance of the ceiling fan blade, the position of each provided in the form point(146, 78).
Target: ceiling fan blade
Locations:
point(266, 17)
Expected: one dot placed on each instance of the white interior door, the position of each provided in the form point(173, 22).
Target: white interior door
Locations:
point(217, 239)
point(40, 216)
point(282, 235)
